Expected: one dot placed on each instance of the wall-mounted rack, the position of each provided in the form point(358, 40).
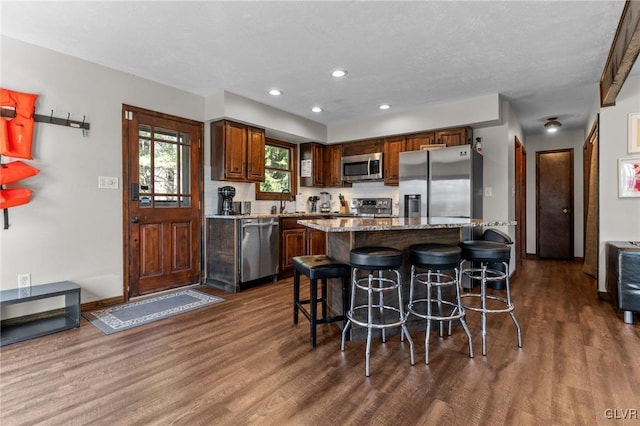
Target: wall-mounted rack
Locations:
point(11, 113)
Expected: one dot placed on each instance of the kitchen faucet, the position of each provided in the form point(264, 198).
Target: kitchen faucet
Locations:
point(282, 201)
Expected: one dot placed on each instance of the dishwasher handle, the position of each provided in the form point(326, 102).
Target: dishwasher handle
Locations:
point(252, 225)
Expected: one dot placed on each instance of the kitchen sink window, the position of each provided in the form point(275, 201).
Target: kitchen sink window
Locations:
point(279, 171)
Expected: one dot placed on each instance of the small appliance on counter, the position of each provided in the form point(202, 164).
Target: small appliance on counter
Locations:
point(325, 202)
point(225, 200)
point(313, 203)
point(241, 207)
point(371, 207)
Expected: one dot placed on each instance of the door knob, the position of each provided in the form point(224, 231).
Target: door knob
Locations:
point(565, 210)
point(135, 220)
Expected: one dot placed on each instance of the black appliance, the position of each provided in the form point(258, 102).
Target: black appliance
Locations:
point(225, 200)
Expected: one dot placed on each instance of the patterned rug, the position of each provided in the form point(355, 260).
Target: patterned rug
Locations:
point(133, 314)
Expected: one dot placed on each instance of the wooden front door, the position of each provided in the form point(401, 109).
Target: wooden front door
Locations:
point(554, 199)
point(162, 201)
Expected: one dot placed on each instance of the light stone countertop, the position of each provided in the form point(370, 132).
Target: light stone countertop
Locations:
point(398, 223)
point(276, 215)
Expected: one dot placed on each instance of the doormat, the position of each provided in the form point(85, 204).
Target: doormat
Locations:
point(133, 314)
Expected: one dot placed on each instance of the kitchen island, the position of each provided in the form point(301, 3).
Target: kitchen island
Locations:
point(344, 234)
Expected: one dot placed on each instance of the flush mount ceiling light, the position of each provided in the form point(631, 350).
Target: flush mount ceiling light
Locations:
point(316, 109)
point(384, 106)
point(275, 92)
point(552, 124)
point(338, 73)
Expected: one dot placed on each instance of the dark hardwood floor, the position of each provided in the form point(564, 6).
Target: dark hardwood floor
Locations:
point(244, 362)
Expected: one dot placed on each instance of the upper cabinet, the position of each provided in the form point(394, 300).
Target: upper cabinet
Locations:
point(313, 152)
point(455, 137)
point(333, 166)
point(326, 163)
point(237, 152)
point(416, 141)
point(255, 154)
point(391, 159)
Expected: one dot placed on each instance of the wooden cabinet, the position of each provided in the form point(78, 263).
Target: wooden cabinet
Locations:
point(298, 240)
point(237, 152)
point(416, 141)
point(313, 152)
point(455, 137)
point(333, 166)
point(391, 159)
point(293, 244)
point(255, 154)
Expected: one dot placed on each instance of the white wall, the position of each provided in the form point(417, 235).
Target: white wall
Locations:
point(546, 142)
point(619, 217)
point(477, 111)
point(71, 230)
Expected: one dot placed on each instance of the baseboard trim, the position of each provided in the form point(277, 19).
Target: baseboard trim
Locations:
point(103, 303)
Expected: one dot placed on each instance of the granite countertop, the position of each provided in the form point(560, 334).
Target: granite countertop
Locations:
point(398, 223)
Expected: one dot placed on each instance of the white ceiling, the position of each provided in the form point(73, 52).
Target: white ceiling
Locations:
point(545, 57)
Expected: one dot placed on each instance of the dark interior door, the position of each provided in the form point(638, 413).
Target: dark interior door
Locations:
point(554, 198)
point(162, 201)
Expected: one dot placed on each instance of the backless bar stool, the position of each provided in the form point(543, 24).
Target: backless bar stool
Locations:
point(438, 262)
point(376, 315)
point(318, 267)
point(488, 252)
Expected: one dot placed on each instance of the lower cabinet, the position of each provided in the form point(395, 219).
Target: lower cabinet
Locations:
point(298, 240)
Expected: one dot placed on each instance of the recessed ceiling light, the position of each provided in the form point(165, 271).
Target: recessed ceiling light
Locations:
point(275, 92)
point(384, 106)
point(316, 109)
point(338, 73)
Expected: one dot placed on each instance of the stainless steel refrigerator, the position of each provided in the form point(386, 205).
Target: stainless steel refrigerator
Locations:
point(442, 182)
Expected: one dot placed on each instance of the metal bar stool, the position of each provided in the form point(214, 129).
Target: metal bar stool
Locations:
point(488, 252)
point(437, 261)
point(318, 267)
point(376, 315)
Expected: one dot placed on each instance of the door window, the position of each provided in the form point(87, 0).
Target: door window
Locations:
point(164, 167)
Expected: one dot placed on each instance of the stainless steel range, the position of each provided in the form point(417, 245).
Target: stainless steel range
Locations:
point(371, 207)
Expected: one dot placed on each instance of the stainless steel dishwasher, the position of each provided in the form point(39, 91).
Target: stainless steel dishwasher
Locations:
point(259, 248)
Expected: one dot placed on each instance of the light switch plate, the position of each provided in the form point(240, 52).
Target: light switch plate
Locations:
point(107, 182)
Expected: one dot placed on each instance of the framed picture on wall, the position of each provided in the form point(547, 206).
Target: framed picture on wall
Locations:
point(634, 133)
point(629, 177)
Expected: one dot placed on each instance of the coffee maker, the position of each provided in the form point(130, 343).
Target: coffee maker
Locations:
point(225, 200)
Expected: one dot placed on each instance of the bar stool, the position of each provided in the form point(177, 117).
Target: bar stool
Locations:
point(436, 258)
point(488, 252)
point(318, 267)
point(372, 315)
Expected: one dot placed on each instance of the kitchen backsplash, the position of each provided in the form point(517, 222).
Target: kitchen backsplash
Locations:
point(246, 192)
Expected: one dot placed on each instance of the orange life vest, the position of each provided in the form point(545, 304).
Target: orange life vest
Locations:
point(16, 134)
point(15, 171)
point(14, 197)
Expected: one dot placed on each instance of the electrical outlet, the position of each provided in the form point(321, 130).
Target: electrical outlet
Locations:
point(24, 280)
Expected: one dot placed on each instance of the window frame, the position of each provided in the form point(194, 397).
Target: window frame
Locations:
point(293, 169)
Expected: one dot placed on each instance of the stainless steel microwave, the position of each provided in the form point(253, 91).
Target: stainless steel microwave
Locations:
point(362, 167)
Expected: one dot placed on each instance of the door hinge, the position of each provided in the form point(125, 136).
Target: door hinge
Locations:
point(128, 115)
